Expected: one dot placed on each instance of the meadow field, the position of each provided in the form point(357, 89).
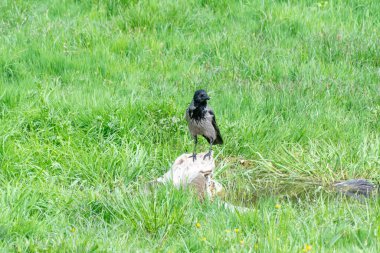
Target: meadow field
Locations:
point(92, 101)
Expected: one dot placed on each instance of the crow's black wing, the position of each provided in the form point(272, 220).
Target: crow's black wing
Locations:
point(218, 139)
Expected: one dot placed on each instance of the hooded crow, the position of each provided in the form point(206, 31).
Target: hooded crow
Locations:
point(201, 121)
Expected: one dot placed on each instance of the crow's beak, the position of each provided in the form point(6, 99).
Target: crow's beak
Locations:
point(207, 98)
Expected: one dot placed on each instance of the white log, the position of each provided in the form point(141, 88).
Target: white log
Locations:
point(197, 174)
point(184, 170)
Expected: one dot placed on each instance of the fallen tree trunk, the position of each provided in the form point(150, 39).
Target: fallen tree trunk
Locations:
point(198, 174)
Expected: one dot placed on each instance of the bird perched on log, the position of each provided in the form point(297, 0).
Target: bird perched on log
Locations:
point(201, 121)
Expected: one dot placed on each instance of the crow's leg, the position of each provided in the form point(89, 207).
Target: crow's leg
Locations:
point(210, 151)
point(194, 156)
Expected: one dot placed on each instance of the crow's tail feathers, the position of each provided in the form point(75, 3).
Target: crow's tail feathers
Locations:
point(218, 139)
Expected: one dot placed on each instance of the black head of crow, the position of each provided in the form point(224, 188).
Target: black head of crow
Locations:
point(200, 98)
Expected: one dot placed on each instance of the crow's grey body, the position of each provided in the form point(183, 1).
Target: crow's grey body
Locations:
point(202, 125)
point(201, 121)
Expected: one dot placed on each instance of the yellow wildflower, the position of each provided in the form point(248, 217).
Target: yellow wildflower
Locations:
point(198, 225)
point(307, 248)
point(203, 239)
point(277, 206)
point(241, 242)
point(236, 230)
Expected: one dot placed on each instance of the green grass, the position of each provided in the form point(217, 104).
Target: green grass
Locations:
point(92, 102)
